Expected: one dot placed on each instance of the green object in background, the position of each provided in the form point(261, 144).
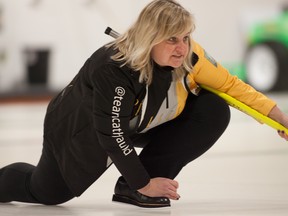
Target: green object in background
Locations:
point(274, 30)
point(237, 69)
point(266, 58)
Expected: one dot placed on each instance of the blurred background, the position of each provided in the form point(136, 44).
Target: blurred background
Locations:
point(43, 43)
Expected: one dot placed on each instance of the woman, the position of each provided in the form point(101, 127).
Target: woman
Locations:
point(138, 91)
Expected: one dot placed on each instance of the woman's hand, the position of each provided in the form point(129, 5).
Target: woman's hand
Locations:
point(161, 187)
point(283, 135)
point(280, 117)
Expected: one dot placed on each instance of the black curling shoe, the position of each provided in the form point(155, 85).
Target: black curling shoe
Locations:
point(125, 195)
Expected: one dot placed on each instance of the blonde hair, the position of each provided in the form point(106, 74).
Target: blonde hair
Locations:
point(158, 21)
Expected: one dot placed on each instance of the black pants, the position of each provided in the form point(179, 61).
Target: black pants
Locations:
point(166, 150)
point(41, 184)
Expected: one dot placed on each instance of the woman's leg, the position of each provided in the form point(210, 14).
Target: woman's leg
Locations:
point(43, 184)
point(180, 141)
point(14, 183)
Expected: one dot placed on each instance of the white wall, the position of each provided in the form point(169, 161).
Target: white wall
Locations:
point(73, 29)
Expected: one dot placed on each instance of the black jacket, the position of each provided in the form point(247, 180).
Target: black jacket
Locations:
point(91, 120)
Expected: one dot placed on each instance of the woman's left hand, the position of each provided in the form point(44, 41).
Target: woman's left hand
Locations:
point(280, 117)
point(283, 135)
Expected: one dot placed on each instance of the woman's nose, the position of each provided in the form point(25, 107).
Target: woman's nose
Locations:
point(181, 46)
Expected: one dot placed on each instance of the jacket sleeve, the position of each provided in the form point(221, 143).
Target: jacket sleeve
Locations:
point(114, 97)
point(209, 72)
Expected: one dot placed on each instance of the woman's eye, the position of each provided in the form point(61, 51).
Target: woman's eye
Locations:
point(186, 38)
point(172, 39)
point(175, 40)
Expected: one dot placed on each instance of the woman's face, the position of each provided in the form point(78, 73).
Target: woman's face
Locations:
point(171, 52)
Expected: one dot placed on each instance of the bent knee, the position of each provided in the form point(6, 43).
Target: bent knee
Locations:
point(212, 109)
point(220, 110)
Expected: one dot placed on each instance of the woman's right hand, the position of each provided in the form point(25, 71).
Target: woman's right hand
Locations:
point(161, 187)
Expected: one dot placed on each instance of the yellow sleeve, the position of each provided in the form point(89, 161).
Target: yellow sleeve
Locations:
point(210, 73)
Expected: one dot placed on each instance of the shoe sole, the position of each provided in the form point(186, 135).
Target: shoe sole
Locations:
point(124, 199)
